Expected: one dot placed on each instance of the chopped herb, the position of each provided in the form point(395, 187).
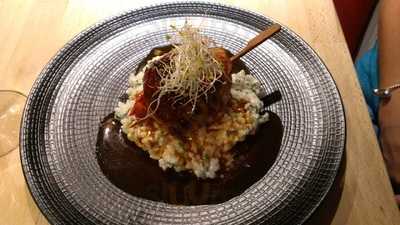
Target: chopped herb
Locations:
point(206, 157)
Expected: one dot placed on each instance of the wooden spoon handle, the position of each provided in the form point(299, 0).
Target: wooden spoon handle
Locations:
point(260, 38)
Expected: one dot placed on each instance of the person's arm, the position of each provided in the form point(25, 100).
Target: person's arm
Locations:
point(389, 72)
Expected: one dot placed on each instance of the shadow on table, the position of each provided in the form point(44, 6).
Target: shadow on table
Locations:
point(326, 211)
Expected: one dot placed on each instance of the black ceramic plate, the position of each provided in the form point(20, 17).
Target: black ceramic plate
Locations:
point(81, 85)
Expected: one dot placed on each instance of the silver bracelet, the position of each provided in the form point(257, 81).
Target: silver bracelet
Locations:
point(386, 92)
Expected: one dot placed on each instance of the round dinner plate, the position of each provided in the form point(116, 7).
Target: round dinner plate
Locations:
point(82, 83)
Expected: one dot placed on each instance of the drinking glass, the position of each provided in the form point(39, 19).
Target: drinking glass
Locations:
point(11, 108)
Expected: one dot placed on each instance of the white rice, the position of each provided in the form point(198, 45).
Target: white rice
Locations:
point(171, 154)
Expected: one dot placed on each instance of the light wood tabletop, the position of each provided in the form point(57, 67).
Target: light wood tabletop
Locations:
point(33, 30)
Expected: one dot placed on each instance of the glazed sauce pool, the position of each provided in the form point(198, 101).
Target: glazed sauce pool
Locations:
point(132, 170)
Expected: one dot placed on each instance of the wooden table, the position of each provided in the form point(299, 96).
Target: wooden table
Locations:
point(33, 30)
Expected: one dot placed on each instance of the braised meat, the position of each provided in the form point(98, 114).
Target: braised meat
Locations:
point(171, 111)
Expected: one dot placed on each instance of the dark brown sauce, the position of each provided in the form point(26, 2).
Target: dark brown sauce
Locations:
point(131, 169)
